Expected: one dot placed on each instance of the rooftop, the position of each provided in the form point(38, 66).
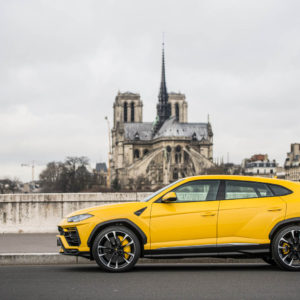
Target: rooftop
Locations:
point(170, 128)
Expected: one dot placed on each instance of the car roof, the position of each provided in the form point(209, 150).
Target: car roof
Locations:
point(243, 178)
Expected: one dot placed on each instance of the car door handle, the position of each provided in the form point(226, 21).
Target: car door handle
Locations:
point(208, 214)
point(274, 209)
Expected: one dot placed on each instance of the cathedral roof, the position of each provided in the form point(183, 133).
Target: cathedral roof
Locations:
point(170, 128)
point(138, 131)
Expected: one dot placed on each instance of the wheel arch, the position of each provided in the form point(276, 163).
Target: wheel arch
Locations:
point(118, 222)
point(282, 224)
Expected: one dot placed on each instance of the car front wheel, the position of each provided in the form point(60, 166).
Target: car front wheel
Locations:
point(286, 248)
point(116, 249)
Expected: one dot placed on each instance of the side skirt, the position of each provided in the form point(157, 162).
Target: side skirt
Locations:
point(224, 250)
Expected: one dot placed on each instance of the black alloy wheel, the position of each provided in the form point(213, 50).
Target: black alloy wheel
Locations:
point(286, 248)
point(116, 249)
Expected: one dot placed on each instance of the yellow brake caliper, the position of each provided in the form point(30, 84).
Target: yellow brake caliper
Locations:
point(286, 248)
point(126, 248)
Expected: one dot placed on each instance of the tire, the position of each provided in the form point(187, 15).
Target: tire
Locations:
point(269, 261)
point(116, 249)
point(286, 248)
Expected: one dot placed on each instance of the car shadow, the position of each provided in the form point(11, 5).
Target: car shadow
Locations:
point(181, 267)
point(204, 267)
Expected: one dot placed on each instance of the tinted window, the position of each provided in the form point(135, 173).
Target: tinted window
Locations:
point(279, 190)
point(203, 190)
point(263, 190)
point(245, 189)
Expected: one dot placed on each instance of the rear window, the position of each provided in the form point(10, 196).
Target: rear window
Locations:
point(279, 190)
point(246, 189)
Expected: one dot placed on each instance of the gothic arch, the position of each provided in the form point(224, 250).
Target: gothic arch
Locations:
point(136, 153)
point(177, 111)
point(125, 110)
point(132, 112)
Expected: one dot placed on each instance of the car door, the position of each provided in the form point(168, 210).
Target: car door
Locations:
point(189, 221)
point(247, 213)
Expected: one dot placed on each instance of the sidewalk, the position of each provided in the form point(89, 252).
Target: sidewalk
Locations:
point(33, 249)
point(28, 243)
point(41, 249)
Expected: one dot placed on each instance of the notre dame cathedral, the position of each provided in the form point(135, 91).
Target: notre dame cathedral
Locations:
point(148, 155)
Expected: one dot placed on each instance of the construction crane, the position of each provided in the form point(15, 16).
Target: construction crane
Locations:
point(32, 166)
point(109, 153)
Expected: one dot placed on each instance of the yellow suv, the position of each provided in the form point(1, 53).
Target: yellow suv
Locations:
point(212, 216)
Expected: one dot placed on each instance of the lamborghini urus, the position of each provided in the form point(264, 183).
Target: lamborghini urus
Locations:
point(210, 216)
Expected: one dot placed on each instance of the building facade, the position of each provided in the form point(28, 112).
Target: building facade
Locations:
point(259, 165)
point(147, 155)
point(292, 163)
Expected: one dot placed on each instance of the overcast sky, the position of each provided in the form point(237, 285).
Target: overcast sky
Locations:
point(63, 62)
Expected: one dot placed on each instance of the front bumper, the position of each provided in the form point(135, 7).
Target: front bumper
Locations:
point(72, 238)
point(61, 242)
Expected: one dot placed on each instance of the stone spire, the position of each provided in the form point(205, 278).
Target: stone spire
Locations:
point(163, 107)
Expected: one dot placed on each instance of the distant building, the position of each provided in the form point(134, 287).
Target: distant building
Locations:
point(149, 155)
point(101, 168)
point(292, 163)
point(100, 174)
point(259, 165)
point(280, 173)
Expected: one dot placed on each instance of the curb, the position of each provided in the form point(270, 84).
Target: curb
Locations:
point(58, 259)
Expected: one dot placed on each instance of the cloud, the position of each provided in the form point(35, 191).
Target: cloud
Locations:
point(63, 62)
point(30, 137)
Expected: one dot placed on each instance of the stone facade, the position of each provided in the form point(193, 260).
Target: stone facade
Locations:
point(148, 155)
point(292, 163)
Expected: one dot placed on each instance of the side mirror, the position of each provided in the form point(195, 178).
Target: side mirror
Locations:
point(169, 197)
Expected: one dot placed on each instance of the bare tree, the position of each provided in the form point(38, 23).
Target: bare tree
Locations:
point(70, 176)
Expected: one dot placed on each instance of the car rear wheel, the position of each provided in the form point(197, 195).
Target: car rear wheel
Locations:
point(286, 248)
point(116, 249)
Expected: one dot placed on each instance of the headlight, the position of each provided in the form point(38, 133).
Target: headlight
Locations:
point(79, 218)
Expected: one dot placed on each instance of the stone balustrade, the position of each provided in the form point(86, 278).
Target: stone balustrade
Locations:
point(30, 213)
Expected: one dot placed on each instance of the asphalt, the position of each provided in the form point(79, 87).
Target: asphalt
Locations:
point(155, 281)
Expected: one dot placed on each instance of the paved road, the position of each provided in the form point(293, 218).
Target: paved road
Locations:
point(201, 281)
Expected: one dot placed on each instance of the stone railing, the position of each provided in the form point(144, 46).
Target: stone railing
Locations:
point(42, 212)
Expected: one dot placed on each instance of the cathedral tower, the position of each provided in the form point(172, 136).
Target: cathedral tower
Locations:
point(147, 155)
point(128, 108)
point(178, 107)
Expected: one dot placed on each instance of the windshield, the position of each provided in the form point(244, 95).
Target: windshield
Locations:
point(159, 191)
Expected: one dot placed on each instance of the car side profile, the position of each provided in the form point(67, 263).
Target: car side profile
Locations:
point(200, 216)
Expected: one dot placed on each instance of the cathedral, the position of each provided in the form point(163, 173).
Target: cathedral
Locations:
point(148, 155)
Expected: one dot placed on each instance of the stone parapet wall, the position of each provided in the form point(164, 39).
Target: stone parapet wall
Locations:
point(31, 213)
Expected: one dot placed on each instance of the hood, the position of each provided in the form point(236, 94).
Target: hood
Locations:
point(99, 209)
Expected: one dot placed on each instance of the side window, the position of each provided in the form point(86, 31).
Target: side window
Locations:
point(263, 190)
point(239, 190)
point(245, 189)
point(201, 190)
point(279, 190)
